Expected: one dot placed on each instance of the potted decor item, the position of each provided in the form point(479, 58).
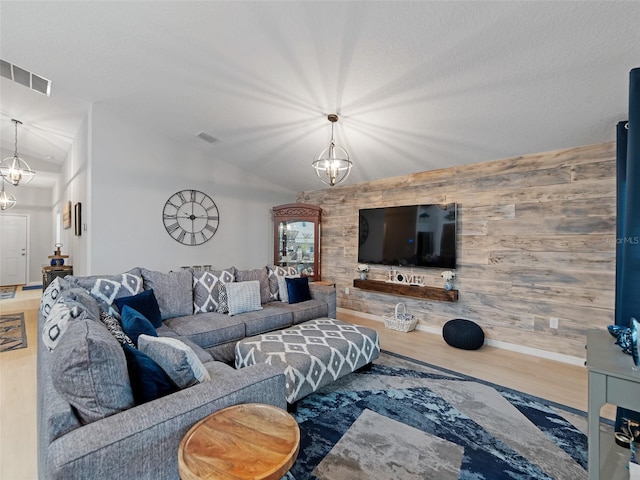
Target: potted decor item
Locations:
point(448, 279)
point(363, 268)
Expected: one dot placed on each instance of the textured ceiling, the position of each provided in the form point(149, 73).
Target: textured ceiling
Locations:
point(418, 85)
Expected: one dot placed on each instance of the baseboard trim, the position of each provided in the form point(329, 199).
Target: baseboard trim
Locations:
point(535, 352)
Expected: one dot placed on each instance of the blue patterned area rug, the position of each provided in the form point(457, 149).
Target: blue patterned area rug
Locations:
point(408, 420)
point(12, 332)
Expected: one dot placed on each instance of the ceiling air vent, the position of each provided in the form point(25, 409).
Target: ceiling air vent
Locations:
point(207, 138)
point(23, 77)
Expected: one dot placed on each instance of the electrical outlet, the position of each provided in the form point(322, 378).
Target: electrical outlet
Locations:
point(346, 290)
point(553, 322)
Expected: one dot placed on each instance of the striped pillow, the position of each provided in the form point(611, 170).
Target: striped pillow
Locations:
point(243, 297)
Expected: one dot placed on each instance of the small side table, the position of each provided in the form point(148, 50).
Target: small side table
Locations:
point(51, 272)
point(247, 441)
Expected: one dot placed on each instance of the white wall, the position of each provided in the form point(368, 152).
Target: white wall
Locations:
point(134, 171)
point(73, 187)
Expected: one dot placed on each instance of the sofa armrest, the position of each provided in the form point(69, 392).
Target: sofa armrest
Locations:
point(142, 442)
point(326, 293)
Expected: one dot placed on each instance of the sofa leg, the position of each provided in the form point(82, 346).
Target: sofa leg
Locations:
point(365, 368)
point(292, 407)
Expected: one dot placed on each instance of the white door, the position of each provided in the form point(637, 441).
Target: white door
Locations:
point(13, 249)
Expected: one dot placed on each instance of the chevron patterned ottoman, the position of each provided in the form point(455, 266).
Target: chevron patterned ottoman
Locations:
point(312, 354)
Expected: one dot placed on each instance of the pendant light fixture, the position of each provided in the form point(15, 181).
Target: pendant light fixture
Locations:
point(14, 169)
point(7, 200)
point(332, 164)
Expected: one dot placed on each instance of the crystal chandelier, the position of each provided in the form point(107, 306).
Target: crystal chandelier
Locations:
point(7, 200)
point(332, 164)
point(15, 169)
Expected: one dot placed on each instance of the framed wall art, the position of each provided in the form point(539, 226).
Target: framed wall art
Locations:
point(77, 220)
point(66, 215)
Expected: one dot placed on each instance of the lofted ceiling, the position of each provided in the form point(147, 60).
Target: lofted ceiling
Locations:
point(418, 85)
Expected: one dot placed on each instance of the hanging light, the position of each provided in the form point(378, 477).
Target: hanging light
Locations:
point(15, 169)
point(332, 164)
point(7, 200)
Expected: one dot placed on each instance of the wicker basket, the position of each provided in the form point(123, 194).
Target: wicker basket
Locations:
point(400, 320)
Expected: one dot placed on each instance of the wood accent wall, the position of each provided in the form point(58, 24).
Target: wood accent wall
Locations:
point(535, 239)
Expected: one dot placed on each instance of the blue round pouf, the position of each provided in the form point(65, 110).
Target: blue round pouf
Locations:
point(463, 334)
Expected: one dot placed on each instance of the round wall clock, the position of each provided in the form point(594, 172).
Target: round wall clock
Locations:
point(190, 217)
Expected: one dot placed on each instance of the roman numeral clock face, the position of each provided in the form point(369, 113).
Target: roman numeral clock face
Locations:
point(190, 217)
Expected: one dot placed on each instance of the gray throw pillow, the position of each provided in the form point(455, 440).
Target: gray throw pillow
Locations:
point(89, 370)
point(262, 276)
point(273, 284)
point(173, 291)
point(176, 358)
point(243, 297)
point(79, 297)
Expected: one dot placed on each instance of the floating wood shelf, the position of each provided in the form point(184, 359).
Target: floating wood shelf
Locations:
point(425, 293)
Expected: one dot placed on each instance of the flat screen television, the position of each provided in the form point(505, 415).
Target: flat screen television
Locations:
point(408, 236)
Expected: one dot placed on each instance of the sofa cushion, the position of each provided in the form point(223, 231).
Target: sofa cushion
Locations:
point(105, 289)
point(298, 289)
point(274, 316)
point(115, 329)
point(145, 303)
point(51, 294)
point(148, 380)
point(135, 324)
point(173, 290)
point(176, 359)
point(89, 369)
point(262, 276)
point(58, 321)
point(243, 297)
point(309, 310)
point(78, 296)
point(208, 329)
point(206, 288)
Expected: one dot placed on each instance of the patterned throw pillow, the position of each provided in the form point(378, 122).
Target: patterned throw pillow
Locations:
point(284, 271)
point(273, 284)
point(51, 294)
point(57, 323)
point(176, 358)
point(206, 289)
point(115, 329)
point(243, 297)
point(106, 289)
point(283, 291)
point(223, 302)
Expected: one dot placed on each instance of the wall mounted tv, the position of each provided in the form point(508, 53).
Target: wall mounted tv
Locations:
point(408, 236)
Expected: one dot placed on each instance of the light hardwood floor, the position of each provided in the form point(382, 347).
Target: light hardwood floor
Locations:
point(558, 382)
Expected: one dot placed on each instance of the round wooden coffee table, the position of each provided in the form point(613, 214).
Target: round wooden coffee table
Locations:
point(248, 441)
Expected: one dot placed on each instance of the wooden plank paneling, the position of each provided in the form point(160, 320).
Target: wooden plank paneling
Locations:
point(536, 239)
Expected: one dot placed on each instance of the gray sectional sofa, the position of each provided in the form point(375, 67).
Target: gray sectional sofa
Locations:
point(89, 424)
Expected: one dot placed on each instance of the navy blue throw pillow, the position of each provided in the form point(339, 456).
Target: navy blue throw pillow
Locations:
point(148, 380)
point(135, 324)
point(145, 303)
point(298, 289)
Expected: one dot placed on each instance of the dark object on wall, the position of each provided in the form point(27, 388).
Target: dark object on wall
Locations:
point(628, 221)
point(408, 236)
point(463, 334)
point(78, 219)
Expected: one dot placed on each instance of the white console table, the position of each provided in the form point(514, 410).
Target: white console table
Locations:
point(611, 380)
